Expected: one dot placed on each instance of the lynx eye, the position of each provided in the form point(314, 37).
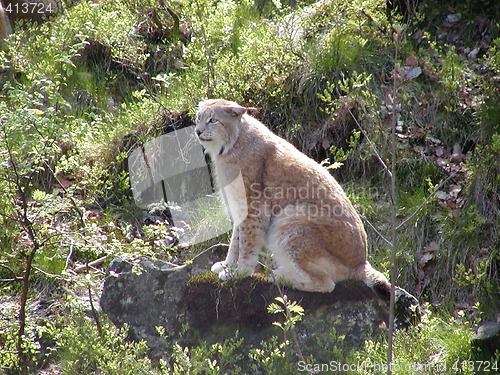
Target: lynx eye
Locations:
point(212, 121)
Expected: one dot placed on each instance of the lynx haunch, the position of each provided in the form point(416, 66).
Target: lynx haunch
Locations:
point(285, 202)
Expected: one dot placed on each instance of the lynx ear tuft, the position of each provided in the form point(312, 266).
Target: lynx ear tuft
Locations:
point(235, 110)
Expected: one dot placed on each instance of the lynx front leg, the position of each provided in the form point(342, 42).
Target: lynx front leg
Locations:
point(252, 238)
point(224, 267)
point(243, 256)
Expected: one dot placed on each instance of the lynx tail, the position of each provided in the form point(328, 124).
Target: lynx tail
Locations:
point(375, 280)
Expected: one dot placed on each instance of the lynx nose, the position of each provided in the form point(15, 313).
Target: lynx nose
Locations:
point(198, 132)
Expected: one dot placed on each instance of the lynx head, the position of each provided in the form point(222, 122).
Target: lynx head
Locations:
point(218, 125)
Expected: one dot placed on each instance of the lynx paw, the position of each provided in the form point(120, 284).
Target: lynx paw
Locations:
point(219, 267)
point(226, 274)
point(224, 270)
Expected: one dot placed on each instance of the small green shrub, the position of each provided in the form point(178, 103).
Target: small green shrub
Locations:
point(213, 359)
point(436, 346)
point(82, 350)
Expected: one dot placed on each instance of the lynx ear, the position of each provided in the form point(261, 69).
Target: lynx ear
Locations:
point(235, 110)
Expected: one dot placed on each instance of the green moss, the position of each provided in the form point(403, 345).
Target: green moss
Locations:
point(204, 277)
point(260, 277)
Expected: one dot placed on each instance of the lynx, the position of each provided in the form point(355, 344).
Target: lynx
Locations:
point(285, 202)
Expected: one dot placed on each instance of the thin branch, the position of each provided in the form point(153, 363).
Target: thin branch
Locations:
point(94, 311)
point(12, 272)
point(46, 240)
point(376, 231)
point(372, 146)
point(216, 245)
point(27, 225)
point(11, 280)
point(59, 277)
point(88, 265)
point(70, 254)
point(69, 196)
point(92, 307)
point(393, 273)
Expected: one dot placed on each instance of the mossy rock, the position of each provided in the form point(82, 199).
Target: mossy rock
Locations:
point(194, 306)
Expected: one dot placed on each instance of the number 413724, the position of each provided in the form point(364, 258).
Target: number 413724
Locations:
point(476, 366)
point(29, 8)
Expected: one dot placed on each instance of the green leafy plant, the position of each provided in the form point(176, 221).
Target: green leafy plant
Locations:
point(83, 350)
point(291, 311)
point(437, 346)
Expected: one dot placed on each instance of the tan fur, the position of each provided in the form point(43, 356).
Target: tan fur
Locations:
point(294, 207)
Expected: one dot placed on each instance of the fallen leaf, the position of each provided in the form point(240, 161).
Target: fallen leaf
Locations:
point(442, 195)
point(412, 73)
point(432, 246)
point(411, 60)
point(453, 18)
point(455, 190)
point(425, 258)
point(457, 156)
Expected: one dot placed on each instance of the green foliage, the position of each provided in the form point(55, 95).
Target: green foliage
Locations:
point(291, 311)
point(73, 90)
point(271, 358)
point(206, 359)
point(339, 38)
point(232, 356)
point(435, 346)
point(340, 155)
point(82, 350)
point(38, 343)
point(485, 178)
point(233, 55)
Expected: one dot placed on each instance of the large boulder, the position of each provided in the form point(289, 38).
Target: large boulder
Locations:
point(192, 305)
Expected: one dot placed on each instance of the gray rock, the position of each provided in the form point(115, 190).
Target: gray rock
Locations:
point(147, 293)
point(486, 340)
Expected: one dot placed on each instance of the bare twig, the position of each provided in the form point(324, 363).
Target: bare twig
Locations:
point(59, 277)
point(376, 231)
point(70, 254)
point(372, 146)
point(94, 311)
point(95, 263)
point(393, 273)
point(48, 238)
point(69, 196)
point(216, 245)
point(14, 276)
